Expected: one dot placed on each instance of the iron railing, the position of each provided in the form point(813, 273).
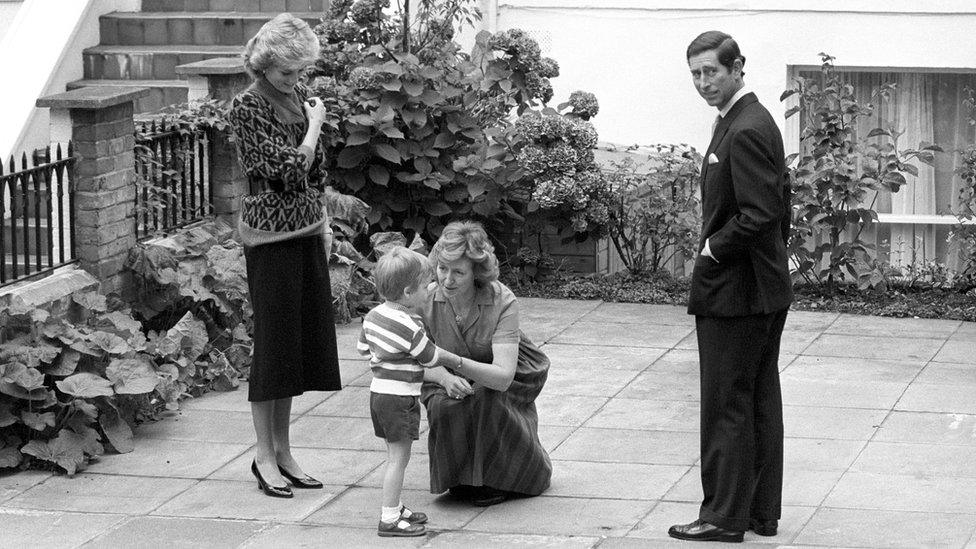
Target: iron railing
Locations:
point(173, 175)
point(37, 207)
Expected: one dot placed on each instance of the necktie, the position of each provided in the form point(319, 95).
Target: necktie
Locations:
point(718, 118)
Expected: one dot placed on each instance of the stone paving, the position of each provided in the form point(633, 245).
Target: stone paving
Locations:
point(880, 452)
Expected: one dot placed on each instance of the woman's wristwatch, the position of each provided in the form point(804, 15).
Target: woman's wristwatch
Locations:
point(460, 362)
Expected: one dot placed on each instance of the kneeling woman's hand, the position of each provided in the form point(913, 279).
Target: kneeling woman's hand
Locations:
point(456, 387)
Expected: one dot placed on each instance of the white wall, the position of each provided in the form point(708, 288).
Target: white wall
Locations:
point(8, 10)
point(42, 52)
point(631, 53)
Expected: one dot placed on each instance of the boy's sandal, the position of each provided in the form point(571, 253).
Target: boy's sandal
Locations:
point(400, 528)
point(416, 517)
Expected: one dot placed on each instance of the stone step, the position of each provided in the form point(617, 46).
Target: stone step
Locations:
point(147, 62)
point(162, 93)
point(210, 28)
point(270, 6)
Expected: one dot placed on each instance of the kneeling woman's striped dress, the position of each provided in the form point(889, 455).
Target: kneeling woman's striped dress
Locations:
point(282, 224)
point(490, 438)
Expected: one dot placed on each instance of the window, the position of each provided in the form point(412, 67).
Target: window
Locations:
point(926, 106)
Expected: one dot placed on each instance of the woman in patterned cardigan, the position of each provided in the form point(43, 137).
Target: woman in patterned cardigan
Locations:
point(286, 236)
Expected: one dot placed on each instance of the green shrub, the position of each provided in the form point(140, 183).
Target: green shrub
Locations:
point(833, 177)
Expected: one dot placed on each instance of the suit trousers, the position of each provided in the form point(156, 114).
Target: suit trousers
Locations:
point(741, 419)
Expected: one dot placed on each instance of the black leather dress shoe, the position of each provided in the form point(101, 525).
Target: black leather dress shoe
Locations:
point(764, 527)
point(700, 530)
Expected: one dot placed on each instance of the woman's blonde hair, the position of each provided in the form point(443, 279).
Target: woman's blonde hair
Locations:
point(467, 239)
point(285, 42)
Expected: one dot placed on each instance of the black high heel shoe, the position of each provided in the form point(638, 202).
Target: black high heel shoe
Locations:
point(304, 482)
point(273, 491)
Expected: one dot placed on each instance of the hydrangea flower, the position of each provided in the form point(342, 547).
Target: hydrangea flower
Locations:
point(363, 78)
point(547, 67)
point(584, 104)
point(366, 12)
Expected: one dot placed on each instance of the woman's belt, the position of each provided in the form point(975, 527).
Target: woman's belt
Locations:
point(259, 185)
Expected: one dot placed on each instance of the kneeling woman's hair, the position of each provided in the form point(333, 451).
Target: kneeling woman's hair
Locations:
point(286, 42)
point(467, 239)
point(401, 269)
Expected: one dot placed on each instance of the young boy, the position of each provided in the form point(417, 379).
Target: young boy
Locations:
point(395, 340)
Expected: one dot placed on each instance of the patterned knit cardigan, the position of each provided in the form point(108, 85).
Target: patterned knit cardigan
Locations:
point(291, 205)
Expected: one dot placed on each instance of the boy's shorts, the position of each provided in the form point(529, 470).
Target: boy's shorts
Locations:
point(395, 417)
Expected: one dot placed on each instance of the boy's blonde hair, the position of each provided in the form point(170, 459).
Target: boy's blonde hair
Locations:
point(401, 269)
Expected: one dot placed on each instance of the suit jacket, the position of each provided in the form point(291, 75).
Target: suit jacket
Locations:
point(745, 217)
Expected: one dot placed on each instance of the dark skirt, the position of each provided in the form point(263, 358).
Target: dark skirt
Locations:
point(490, 438)
point(294, 329)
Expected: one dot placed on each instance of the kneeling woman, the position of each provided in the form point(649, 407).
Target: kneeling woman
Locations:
point(483, 437)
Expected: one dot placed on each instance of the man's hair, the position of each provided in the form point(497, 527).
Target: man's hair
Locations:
point(467, 239)
point(285, 42)
point(401, 269)
point(726, 48)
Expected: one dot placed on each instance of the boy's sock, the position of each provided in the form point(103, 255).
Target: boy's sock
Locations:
point(390, 514)
point(404, 512)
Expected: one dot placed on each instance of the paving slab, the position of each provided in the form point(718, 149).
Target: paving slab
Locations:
point(659, 336)
point(792, 342)
point(901, 458)
point(168, 458)
point(836, 423)
point(947, 373)
point(351, 401)
point(476, 540)
point(236, 401)
point(878, 528)
point(802, 391)
point(654, 415)
point(931, 397)
point(813, 454)
point(827, 368)
point(962, 349)
point(100, 494)
point(630, 446)
point(883, 348)
point(586, 381)
point(16, 482)
point(349, 433)
point(177, 532)
point(640, 313)
point(658, 385)
point(571, 411)
point(633, 481)
point(928, 427)
point(887, 491)
point(331, 466)
point(200, 425)
point(562, 516)
point(359, 507)
point(318, 536)
point(225, 499)
point(602, 357)
point(893, 327)
point(41, 529)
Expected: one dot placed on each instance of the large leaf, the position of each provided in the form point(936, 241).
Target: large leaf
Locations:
point(191, 335)
point(350, 157)
point(132, 376)
point(110, 343)
point(32, 354)
point(88, 439)
point(6, 417)
point(91, 300)
point(346, 207)
point(379, 174)
point(387, 152)
point(10, 456)
point(36, 421)
point(384, 242)
point(116, 429)
point(66, 450)
point(124, 322)
point(65, 365)
point(85, 385)
point(23, 376)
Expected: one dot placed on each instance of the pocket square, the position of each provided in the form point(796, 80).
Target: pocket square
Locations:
point(712, 159)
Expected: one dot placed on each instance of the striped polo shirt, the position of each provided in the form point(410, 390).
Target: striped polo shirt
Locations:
point(398, 349)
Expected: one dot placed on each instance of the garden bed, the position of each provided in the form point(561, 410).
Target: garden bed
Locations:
point(896, 301)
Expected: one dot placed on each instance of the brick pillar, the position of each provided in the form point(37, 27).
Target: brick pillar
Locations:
point(103, 135)
point(220, 78)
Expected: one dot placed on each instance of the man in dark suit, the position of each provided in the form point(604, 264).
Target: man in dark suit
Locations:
point(740, 292)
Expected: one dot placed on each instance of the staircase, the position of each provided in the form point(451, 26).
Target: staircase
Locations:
point(143, 48)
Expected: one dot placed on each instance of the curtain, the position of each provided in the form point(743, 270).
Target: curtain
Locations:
point(925, 107)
